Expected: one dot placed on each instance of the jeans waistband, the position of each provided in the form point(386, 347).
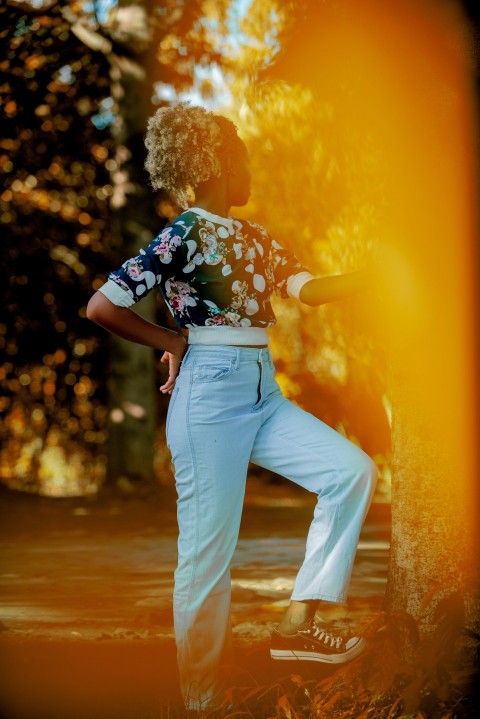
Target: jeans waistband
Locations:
point(226, 334)
point(238, 354)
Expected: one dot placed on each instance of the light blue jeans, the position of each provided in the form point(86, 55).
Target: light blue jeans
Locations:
point(227, 409)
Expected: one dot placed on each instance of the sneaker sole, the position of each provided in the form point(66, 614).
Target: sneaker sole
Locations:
point(289, 654)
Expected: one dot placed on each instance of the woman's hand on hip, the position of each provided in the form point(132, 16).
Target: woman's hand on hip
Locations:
point(174, 359)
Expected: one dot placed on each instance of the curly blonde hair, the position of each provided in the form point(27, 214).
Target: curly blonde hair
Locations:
point(188, 145)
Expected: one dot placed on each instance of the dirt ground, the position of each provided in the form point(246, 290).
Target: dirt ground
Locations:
point(86, 627)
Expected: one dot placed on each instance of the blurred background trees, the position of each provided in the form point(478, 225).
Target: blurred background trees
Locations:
point(56, 227)
point(77, 87)
point(79, 81)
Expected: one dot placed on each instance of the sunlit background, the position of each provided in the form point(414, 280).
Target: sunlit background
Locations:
point(361, 118)
point(331, 144)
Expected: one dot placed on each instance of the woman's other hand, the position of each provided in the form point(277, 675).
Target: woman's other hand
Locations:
point(174, 360)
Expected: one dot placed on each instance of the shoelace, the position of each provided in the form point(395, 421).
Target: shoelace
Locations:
point(324, 636)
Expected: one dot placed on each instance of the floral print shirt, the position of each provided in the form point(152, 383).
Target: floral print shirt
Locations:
point(211, 270)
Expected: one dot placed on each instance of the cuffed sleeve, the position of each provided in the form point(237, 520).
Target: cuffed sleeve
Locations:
point(165, 255)
point(288, 272)
point(296, 282)
point(117, 295)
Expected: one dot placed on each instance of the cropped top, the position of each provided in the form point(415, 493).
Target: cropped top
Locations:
point(212, 271)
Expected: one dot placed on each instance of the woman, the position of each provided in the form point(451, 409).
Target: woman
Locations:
point(216, 274)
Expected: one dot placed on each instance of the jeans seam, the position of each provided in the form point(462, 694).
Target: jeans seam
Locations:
point(195, 480)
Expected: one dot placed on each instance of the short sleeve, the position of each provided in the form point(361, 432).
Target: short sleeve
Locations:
point(288, 272)
point(139, 275)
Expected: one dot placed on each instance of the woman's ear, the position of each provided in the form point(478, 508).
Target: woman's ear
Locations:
point(229, 165)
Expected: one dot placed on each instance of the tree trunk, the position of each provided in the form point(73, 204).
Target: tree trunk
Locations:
point(433, 548)
point(432, 309)
point(132, 407)
point(132, 399)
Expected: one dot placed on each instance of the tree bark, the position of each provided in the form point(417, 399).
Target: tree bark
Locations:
point(432, 550)
point(132, 398)
point(433, 313)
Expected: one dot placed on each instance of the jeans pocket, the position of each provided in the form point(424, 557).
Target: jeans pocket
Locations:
point(213, 371)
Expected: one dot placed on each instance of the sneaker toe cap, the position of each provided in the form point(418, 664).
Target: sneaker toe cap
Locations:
point(355, 642)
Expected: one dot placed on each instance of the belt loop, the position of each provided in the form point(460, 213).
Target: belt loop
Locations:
point(237, 358)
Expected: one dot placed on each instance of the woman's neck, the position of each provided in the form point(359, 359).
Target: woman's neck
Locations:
point(216, 208)
point(212, 197)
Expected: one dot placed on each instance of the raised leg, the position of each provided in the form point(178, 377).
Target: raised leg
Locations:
point(299, 446)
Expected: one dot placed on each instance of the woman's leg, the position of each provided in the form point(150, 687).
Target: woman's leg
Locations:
point(210, 439)
point(299, 446)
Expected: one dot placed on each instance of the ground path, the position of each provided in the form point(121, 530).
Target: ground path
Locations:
point(86, 615)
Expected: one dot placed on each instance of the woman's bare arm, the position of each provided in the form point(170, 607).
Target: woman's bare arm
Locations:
point(125, 323)
point(321, 290)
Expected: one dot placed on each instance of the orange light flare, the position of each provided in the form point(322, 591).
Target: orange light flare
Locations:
point(403, 74)
point(428, 142)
